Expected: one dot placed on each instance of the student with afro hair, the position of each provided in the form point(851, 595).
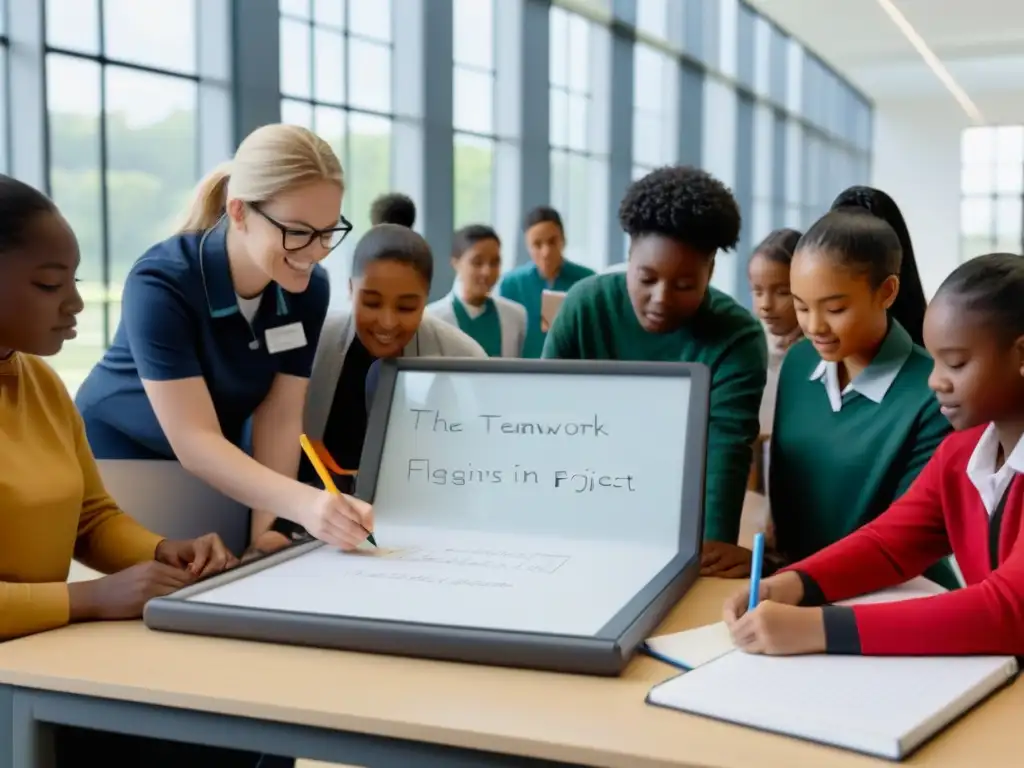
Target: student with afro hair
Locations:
point(662, 308)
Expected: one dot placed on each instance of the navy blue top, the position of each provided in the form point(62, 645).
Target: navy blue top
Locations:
point(180, 319)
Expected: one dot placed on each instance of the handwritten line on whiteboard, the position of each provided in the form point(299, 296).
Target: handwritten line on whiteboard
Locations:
point(493, 560)
point(421, 578)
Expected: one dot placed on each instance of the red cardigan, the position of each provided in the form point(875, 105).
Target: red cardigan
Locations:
point(941, 512)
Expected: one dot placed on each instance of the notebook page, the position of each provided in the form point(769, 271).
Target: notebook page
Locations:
point(919, 587)
point(694, 647)
point(879, 705)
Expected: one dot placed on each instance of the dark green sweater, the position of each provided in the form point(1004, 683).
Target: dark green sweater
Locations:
point(597, 322)
point(525, 285)
point(832, 472)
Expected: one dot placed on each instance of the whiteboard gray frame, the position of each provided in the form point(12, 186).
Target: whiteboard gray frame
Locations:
point(606, 652)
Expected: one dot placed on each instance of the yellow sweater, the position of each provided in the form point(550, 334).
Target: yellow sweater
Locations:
point(53, 506)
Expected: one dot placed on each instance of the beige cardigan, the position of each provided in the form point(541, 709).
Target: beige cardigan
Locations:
point(777, 348)
point(511, 317)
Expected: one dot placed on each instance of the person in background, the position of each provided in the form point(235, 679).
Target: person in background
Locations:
point(968, 501)
point(392, 268)
point(549, 270)
point(54, 505)
point(218, 328)
point(768, 272)
point(664, 309)
point(855, 420)
point(393, 208)
point(910, 303)
point(495, 323)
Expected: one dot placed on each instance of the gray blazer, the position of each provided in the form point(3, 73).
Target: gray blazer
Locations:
point(435, 338)
point(511, 317)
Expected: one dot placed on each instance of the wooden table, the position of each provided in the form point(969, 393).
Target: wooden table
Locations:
point(385, 712)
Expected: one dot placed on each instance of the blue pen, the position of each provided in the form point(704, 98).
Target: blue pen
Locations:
point(755, 571)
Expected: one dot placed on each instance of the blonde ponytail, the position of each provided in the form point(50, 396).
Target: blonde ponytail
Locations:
point(208, 200)
point(270, 160)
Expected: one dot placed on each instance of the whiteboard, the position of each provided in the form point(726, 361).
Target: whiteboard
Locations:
point(457, 578)
point(597, 458)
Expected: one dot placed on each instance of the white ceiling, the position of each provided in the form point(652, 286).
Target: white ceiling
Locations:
point(981, 43)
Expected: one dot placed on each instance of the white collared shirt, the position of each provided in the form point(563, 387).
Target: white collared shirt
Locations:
point(873, 382)
point(981, 468)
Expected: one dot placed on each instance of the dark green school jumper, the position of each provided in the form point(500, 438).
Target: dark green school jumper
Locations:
point(839, 459)
point(525, 285)
point(484, 327)
point(597, 322)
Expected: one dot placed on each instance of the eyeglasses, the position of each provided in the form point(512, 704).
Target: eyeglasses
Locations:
point(295, 238)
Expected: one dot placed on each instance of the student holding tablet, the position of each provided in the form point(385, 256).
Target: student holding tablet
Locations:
point(968, 501)
point(218, 328)
point(392, 268)
point(663, 309)
point(855, 420)
point(548, 270)
point(495, 323)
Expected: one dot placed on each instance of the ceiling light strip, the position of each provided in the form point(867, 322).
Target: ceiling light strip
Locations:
point(932, 61)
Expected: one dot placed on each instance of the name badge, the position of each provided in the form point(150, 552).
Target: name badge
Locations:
point(285, 337)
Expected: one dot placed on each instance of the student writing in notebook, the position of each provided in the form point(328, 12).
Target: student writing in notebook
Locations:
point(664, 309)
point(968, 500)
point(494, 322)
point(392, 269)
point(855, 420)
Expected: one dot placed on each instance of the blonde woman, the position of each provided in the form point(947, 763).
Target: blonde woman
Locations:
point(219, 325)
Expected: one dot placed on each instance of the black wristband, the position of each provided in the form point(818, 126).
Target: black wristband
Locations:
point(841, 635)
point(813, 596)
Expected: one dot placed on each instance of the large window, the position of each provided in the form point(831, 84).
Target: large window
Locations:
point(655, 107)
point(794, 177)
point(992, 182)
point(761, 219)
point(336, 80)
point(835, 147)
point(720, 108)
point(140, 96)
point(652, 18)
point(121, 88)
point(473, 85)
point(819, 187)
point(4, 102)
point(578, 167)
